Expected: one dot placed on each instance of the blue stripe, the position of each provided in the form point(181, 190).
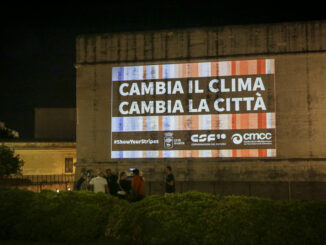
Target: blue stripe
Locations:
point(121, 124)
point(115, 73)
point(120, 74)
point(115, 154)
point(132, 123)
point(148, 72)
point(134, 72)
point(166, 123)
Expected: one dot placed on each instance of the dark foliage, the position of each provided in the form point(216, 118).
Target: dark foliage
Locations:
point(9, 162)
point(188, 218)
point(51, 216)
point(6, 134)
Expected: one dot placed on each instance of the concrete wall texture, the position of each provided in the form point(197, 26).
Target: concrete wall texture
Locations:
point(44, 158)
point(55, 124)
point(299, 50)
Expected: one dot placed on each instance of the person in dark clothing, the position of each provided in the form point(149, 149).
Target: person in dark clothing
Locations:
point(81, 184)
point(125, 186)
point(108, 176)
point(169, 182)
point(113, 185)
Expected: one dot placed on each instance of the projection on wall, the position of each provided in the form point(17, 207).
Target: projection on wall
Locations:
point(220, 109)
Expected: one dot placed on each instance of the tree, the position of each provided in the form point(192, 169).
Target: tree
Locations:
point(5, 133)
point(9, 162)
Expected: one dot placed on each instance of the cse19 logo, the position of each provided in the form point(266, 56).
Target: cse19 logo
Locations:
point(207, 137)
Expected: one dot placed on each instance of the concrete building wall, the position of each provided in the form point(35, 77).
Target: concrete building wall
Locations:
point(44, 158)
point(299, 50)
point(202, 43)
point(55, 123)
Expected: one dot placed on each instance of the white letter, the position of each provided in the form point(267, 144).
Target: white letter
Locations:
point(203, 105)
point(244, 86)
point(169, 87)
point(134, 89)
point(122, 104)
point(236, 103)
point(211, 137)
point(233, 85)
point(216, 106)
point(190, 106)
point(147, 108)
point(260, 104)
point(223, 89)
point(168, 107)
point(228, 104)
point(194, 138)
point(177, 88)
point(197, 89)
point(121, 89)
point(160, 106)
point(190, 86)
point(134, 108)
point(160, 87)
point(177, 107)
point(149, 89)
point(248, 99)
point(258, 84)
point(210, 86)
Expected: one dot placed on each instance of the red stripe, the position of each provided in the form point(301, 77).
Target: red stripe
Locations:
point(160, 123)
point(214, 69)
point(234, 121)
point(144, 72)
point(234, 153)
point(262, 152)
point(258, 67)
point(261, 120)
point(234, 68)
point(261, 67)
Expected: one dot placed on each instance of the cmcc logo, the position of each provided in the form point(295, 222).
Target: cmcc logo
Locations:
point(238, 138)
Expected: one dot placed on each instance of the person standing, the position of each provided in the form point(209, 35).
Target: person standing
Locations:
point(125, 187)
point(108, 176)
point(113, 185)
point(137, 186)
point(82, 183)
point(169, 182)
point(99, 183)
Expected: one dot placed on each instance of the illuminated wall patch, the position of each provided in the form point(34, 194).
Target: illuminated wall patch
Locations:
point(206, 110)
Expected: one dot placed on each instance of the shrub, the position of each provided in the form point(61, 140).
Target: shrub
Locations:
point(64, 216)
point(176, 219)
point(13, 203)
point(238, 220)
point(188, 218)
point(197, 218)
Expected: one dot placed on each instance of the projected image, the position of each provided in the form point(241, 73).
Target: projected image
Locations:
point(194, 110)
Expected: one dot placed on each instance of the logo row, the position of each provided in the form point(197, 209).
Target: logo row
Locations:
point(253, 138)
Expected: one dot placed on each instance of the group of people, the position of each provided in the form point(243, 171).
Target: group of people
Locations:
point(122, 186)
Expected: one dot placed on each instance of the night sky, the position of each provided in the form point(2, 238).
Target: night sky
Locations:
point(37, 46)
